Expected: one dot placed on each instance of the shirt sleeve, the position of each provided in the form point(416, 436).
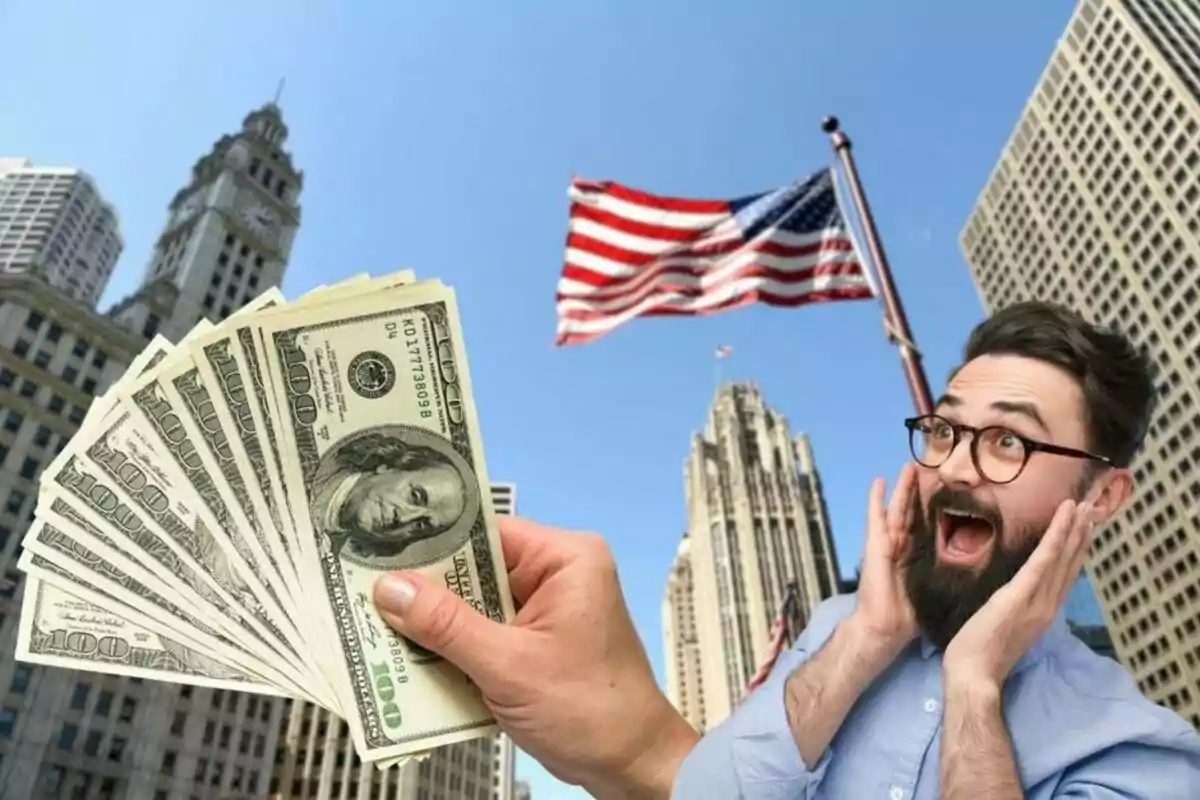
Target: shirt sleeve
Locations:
point(1137, 771)
point(752, 754)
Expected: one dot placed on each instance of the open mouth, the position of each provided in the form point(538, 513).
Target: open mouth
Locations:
point(964, 538)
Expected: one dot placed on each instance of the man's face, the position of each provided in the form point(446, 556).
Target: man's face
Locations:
point(387, 500)
point(971, 536)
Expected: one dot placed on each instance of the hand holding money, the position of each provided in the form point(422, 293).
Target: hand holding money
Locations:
point(568, 680)
point(222, 515)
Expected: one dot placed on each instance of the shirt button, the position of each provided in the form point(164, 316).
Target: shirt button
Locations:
point(931, 705)
point(896, 793)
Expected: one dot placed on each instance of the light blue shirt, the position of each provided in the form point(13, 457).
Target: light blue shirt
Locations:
point(1079, 726)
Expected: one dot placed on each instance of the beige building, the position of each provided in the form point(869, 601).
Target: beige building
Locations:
point(73, 735)
point(316, 758)
point(757, 524)
point(54, 223)
point(1095, 203)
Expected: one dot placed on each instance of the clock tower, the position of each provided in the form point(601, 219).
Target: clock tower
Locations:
point(228, 233)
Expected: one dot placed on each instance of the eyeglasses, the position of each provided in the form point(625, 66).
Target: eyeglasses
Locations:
point(998, 453)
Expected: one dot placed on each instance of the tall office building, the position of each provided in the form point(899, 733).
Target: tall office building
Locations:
point(685, 684)
point(316, 758)
point(54, 223)
point(66, 734)
point(757, 524)
point(228, 233)
point(1095, 203)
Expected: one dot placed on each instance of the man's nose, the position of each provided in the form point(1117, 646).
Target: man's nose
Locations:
point(959, 468)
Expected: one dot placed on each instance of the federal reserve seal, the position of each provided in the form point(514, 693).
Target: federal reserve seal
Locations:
point(371, 374)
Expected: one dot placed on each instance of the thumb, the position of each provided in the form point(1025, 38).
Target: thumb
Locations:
point(439, 620)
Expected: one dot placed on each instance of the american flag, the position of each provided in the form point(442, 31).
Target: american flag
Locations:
point(781, 638)
point(632, 254)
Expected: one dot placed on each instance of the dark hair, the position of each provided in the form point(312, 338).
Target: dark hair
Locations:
point(1115, 377)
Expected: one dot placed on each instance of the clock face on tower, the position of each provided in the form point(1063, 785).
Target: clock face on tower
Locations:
point(261, 220)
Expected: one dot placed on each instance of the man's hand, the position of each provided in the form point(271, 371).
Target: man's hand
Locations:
point(986, 649)
point(883, 614)
point(568, 680)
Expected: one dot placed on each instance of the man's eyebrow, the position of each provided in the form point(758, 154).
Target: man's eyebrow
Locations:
point(1024, 409)
point(948, 400)
point(1021, 408)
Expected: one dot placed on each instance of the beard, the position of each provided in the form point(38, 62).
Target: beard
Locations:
point(945, 596)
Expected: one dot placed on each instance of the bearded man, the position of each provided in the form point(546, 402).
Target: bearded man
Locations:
point(952, 672)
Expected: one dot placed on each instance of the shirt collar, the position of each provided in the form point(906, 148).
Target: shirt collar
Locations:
point(1055, 635)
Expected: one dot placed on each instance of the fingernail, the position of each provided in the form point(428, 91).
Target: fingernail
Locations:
point(394, 594)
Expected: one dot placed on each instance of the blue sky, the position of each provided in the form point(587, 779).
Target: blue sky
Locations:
point(442, 137)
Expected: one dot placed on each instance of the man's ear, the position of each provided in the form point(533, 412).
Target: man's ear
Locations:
point(1110, 492)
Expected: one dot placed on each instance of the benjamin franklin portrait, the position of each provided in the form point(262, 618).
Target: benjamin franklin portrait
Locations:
point(394, 497)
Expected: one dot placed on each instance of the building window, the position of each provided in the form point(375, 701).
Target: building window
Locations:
point(7, 376)
point(80, 349)
point(29, 469)
point(8, 722)
point(15, 501)
point(79, 696)
point(55, 332)
point(12, 423)
point(177, 723)
point(91, 744)
point(116, 748)
point(22, 673)
point(42, 359)
point(34, 321)
point(21, 348)
point(99, 359)
point(104, 704)
point(56, 404)
point(225, 311)
point(69, 374)
point(77, 414)
point(128, 709)
point(208, 301)
point(66, 736)
point(88, 386)
point(42, 437)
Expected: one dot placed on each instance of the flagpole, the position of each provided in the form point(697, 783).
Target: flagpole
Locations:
point(895, 321)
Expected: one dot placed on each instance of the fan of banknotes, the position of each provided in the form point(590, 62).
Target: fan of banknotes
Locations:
point(223, 512)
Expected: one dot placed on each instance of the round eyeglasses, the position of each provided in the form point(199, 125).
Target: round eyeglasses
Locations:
point(999, 454)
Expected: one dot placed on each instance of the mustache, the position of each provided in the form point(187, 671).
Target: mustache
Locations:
point(948, 499)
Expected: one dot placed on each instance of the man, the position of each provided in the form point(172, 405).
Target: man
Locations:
point(378, 495)
point(950, 674)
point(953, 674)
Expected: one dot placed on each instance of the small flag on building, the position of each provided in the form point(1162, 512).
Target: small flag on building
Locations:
point(724, 351)
point(782, 632)
point(632, 254)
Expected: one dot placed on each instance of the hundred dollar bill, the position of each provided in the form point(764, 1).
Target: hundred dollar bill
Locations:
point(226, 378)
point(383, 465)
point(64, 538)
point(201, 523)
point(59, 629)
point(179, 406)
point(119, 482)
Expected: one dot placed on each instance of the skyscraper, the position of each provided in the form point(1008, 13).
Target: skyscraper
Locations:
point(65, 734)
point(55, 224)
point(757, 523)
point(228, 233)
point(1095, 203)
point(685, 683)
point(316, 757)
